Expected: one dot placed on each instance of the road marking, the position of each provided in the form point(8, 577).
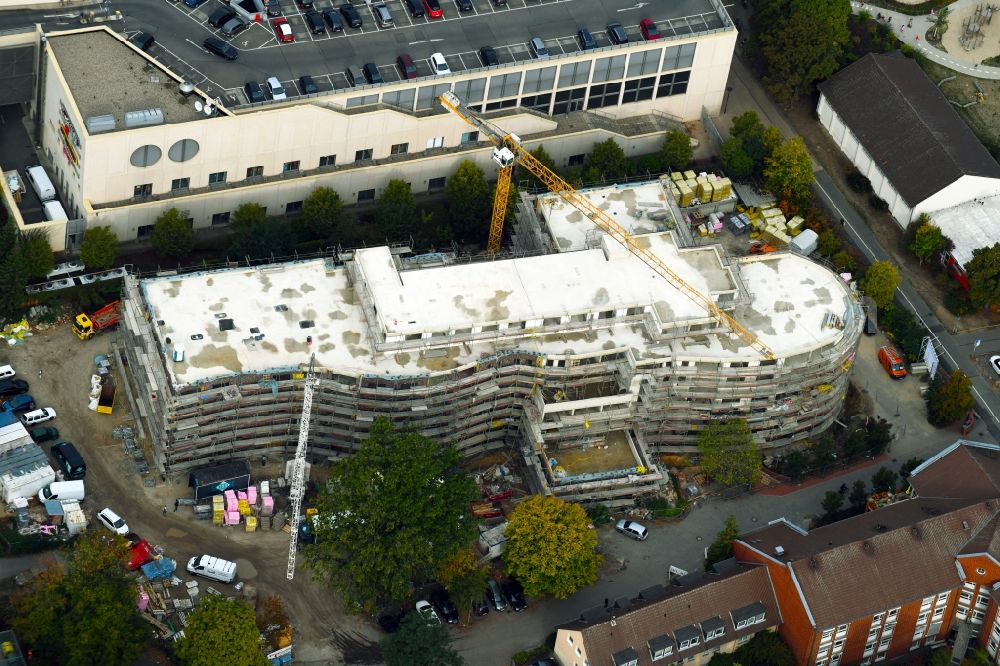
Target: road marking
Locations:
point(638, 5)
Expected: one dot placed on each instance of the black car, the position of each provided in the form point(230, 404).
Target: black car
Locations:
point(142, 40)
point(254, 92)
point(464, 5)
point(489, 56)
point(617, 33)
point(43, 434)
point(307, 85)
point(445, 606)
point(587, 40)
point(220, 16)
point(315, 22)
point(351, 15)
point(371, 72)
point(333, 20)
point(481, 607)
point(273, 8)
point(416, 8)
point(305, 4)
point(221, 48)
point(9, 387)
point(515, 595)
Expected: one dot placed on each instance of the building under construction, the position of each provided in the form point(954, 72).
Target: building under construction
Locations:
point(572, 354)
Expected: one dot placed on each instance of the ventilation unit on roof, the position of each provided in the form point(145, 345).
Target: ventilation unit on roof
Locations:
point(226, 325)
point(779, 551)
point(868, 547)
point(144, 117)
point(813, 563)
point(96, 124)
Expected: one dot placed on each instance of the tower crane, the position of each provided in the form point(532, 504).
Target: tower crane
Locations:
point(508, 151)
point(299, 464)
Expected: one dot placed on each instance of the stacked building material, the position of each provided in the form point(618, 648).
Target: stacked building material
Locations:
point(218, 510)
point(251, 523)
point(232, 517)
point(267, 505)
point(252, 495)
point(723, 189)
point(794, 225)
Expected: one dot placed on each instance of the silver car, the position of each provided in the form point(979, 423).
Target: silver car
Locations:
point(630, 528)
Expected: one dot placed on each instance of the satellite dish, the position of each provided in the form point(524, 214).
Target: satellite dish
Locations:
point(186, 88)
point(209, 109)
point(198, 105)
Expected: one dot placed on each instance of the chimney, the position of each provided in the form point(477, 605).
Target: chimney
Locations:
point(779, 551)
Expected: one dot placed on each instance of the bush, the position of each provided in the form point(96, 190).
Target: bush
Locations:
point(878, 203)
point(957, 301)
point(598, 514)
point(858, 182)
point(844, 261)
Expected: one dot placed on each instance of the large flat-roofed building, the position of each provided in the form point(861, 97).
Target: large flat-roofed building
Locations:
point(584, 362)
point(123, 144)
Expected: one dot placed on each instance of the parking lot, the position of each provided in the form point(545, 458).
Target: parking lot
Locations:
point(180, 30)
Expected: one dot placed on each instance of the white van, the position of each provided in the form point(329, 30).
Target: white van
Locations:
point(54, 211)
point(6, 371)
point(38, 416)
point(41, 184)
point(215, 568)
point(62, 491)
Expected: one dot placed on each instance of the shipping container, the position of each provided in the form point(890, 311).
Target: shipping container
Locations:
point(217, 479)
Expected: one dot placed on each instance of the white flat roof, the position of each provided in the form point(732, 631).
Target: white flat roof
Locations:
point(970, 226)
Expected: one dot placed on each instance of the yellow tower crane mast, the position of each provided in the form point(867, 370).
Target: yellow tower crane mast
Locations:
point(508, 151)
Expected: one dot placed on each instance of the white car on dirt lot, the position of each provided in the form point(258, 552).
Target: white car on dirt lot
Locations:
point(113, 521)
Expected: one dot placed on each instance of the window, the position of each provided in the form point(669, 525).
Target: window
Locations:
point(504, 85)
point(144, 231)
point(662, 653)
point(639, 89)
point(568, 101)
point(365, 154)
point(673, 84)
point(570, 639)
point(715, 633)
point(180, 183)
point(399, 149)
point(502, 104)
point(293, 206)
point(328, 161)
point(255, 172)
point(684, 645)
point(539, 80)
point(435, 142)
point(537, 102)
point(884, 643)
point(842, 628)
point(942, 597)
point(288, 167)
point(366, 195)
point(573, 74)
point(144, 190)
point(471, 91)
point(741, 624)
point(608, 69)
point(576, 160)
point(219, 219)
point(892, 614)
point(646, 62)
point(362, 100)
point(427, 96)
point(678, 57)
point(938, 612)
point(470, 137)
point(435, 184)
point(604, 95)
point(217, 178)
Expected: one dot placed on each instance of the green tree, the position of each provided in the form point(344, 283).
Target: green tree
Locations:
point(220, 631)
point(728, 453)
point(676, 151)
point(395, 511)
point(606, 161)
point(832, 501)
point(172, 236)
point(396, 214)
point(910, 465)
point(13, 274)
point(598, 514)
point(795, 464)
point(468, 203)
point(323, 217)
point(949, 398)
point(766, 648)
point(928, 239)
point(418, 643)
point(824, 453)
point(550, 547)
point(801, 41)
point(99, 248)
point(940, 21)
point(880, 282)
point(36, 253)
point(736, 162)
point(884, 480)
point(464, 578)
point(722, 548)
point(859, 494)
point(788, 171)
point(262, 239)
point(827, 243)
point(542, 156)
point(878, 435)
point(983, 271)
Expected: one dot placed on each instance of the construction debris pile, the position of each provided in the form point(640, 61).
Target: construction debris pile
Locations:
point(234, 507)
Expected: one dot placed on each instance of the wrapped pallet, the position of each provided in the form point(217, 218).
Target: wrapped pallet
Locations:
point(676, 176)
point(251, 524)
point(244, 508)
point(724, 188)
point(690, 175)
point(218, 517)
point(794, 225)
point(705, 190)
point(687, 195)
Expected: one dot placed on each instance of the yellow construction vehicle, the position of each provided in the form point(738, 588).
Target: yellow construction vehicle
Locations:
point(508, 151)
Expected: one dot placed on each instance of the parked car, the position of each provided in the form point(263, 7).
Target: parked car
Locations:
point(382, 15)
point(439, 65)
point(36, 416)
point(283, 30)
point(351, 15)
point(495, 595)
point(481, 607)
point(275, 89)
point(891, 360)
point(649, 30)
point(69, 460)
point(19, 403)
point(995, 364)
point(632, 529)
point(43, 434)
point(220, 16)
point(305, 4)
point(407, 68)
point(221, 48)
point(193, 3)
point(234, 26)
point(273, 8)
point(112, 521)
point(427, 612)
point(586, 39)
point(254, 92)
point(333, 19)
point(489, 56)
point(9, 387)
point(215, 568)
point(372, 75)
point(307, 85)
point(499, 3)
point(464, 5)
point(433, 8)
point(314, 21)
point(142, 40)
point(416, 7)
point(538, 48)
point(515, 595)
point(445, 606)
point(6, 371)
point(617, 33)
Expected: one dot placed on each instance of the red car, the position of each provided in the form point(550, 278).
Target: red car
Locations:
point(406, 66)
point(283, 30)
point(649, 30)
point(433, 8)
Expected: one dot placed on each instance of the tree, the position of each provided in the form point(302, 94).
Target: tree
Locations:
point(598, 514)
point(395, 511)
point(676, 150)
point(940, 21)
point(737, 163)
point(880, 282)
point(262, 239)
point(468, 203)
point(396, 213)
point(859, 494)
point(983, 271)
point(606, 161)
point(418, 643)
point(765, 649)
point(13, 274)
point(36, 253)
point(827, 243)
point(949, 398)
point(99, 248)
point(172, 236)
point(722, 548)
point(220, 631)
point(464, 578)
point(801, 41)
point(728, 453)
point(550, 547)
point(878, 435)
point(824, 453)
point(546, 160)
point(795, 464)
point(788, 171)
point(322, 217)
point(910, 465)
point(832, 501)
point(928, 239)
point(884, 480)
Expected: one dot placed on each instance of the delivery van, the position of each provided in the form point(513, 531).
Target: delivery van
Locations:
point(62, 491)
point(215, 568)
point(892, 361)
point(54, 211)
point(41, 184)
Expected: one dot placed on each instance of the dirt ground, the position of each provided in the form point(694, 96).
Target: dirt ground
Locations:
point(58, 367)
point(951, 39)
point(984, 117)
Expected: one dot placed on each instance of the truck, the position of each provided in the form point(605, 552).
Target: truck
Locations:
point(87, 326)
point(106, 400)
